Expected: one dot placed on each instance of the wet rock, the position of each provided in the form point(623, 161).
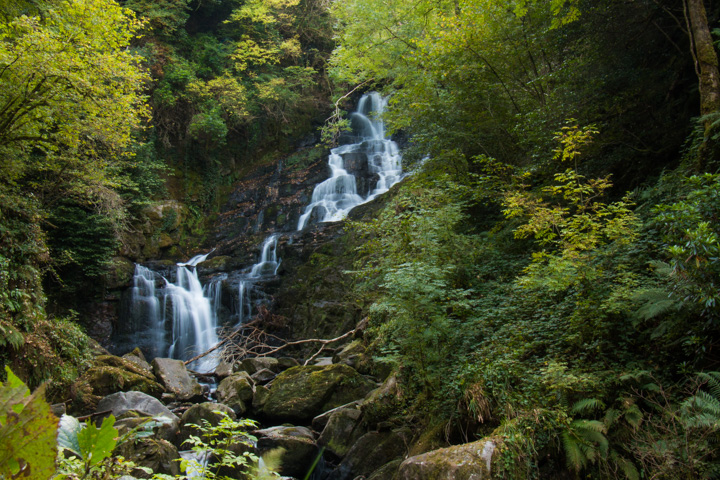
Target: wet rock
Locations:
point(342, 431)
point(195, 416)
point(263, 376)
point(236, 391)
point(299, 445)
point(471, 461)
point(159, 455)
point(176, 379)
point(301, 393)
point(322, 361)
point(370, 452)
point(120, 273)
point(253, 365)
point(383, 402)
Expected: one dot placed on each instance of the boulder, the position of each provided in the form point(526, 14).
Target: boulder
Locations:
point(136, 357)
point(351, 354)
point(263, 376)
point(162, 427)
point(470, 461)
point(145, 405)
point(224, 369)
point(176, 379)
point(261, 395)
point(383, 402)
point(287, 362)
point(159, 455)
point(387, 471)
point(301, 393)
point(370, 452)
point(109, 375)
point(322, 361)
point(236, 391)
point(343, 429)
point(253, 365)
point(195, 416)
point(320, 422)
point(298, 443)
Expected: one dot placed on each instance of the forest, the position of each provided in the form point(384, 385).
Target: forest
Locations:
point(546, 276)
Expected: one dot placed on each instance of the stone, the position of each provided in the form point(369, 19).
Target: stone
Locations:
point(196, 414)
point(370, 452)
point(383, 402)
point(140, 362)
point(176, 379)
point(301, 393)
point(387, 471)
point(299, 445)
point(262, 393)
point(322, 361)
point(159, 455)
point(343, 429)
point(236, 391)
point(351, 354)
point(120, 273)
point(471, 461)
point(224, 369)
point(252, 365)
point(287, 362)
point(122, 402)
point(263, 376)
point(319, 422)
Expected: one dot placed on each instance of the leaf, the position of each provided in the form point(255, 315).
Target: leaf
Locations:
point(97, 444)
point(587, 405)
point(12, 395)
point(68, 434)
point(27, 434)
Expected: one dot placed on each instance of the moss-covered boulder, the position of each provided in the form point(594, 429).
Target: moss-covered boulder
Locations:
point(343, 429)
point(371, 452)
point(159, 455)
point(174, 376)
point(108, 375)
point(351, 355)
point(301, 393)
point(195, 416)
point(138, 358)
point(387, 471)
point(471, 461)
point(236, 391)
point(298, 443)
point(262, 393)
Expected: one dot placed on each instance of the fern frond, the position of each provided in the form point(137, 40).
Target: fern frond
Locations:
point(713, 382)
point(628, 468)
point(633, 416)
point(587, 405)
point(573, 453)
point(711, 471)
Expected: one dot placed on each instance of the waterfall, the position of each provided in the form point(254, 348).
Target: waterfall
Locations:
point(336, 196)
point(146, 311)
point(268, 258)
point(194, 318)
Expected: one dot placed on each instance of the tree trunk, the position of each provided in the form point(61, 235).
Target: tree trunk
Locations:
point(705, 58)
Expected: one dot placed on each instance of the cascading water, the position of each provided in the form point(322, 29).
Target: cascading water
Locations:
point(336, 196)
point(188, 312)
point(194, 319)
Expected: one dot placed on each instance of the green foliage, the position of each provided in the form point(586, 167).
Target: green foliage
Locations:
point(27, 431)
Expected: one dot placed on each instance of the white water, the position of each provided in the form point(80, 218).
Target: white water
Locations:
point(194, 317)
point(268, 263)
point(337, 195)
point(146, 308)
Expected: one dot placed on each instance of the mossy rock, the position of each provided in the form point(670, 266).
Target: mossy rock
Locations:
point(159, 455)
point(470, 461)
point(303, 392)
point(298, 443)
point(236, 391)
point(195, 416)
point(387, 472)
point(342, 431)
point(120, 274)
point(371, 452)
point(98, 382)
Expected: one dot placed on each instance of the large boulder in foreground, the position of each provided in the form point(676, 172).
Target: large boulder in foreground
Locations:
point(174, 376)
point(470, 461)
point(236, 391)
point(158, 455)
point(299, 446)
point(371, 452)
point(301, 393)
point(342, 431)
point(195, 416)
point(133, 409)
point(110, 374)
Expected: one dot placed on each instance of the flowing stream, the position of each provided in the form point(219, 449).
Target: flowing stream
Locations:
point(179, 318)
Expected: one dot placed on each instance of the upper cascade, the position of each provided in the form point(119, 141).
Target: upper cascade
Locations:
point(333, 199)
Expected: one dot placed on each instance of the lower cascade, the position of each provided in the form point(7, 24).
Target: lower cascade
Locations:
point(180, 318)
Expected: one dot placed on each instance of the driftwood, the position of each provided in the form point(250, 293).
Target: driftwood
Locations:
point(250, 340)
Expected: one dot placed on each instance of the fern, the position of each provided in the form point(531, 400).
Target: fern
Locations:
point(587, 405)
